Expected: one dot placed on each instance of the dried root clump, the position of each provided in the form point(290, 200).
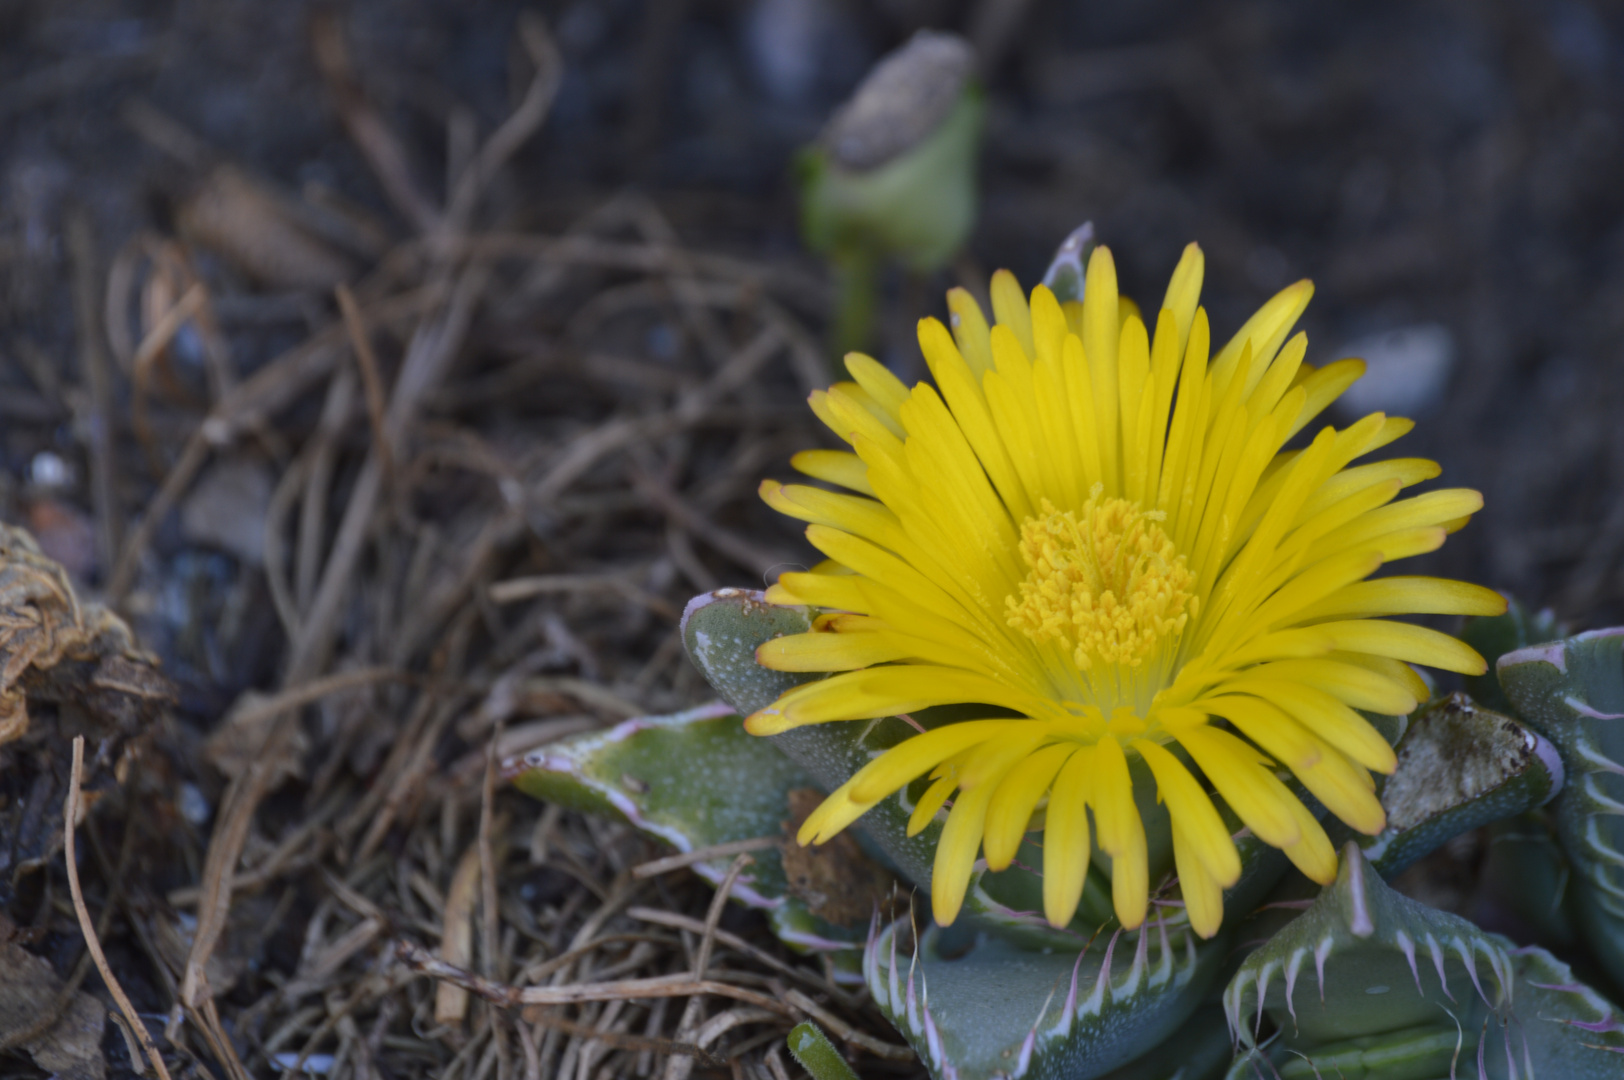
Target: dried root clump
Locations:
point(43, 623)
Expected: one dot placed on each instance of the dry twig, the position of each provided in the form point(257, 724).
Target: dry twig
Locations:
point(70, 818)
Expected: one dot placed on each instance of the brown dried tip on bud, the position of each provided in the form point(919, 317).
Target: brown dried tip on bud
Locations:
point(901, 103)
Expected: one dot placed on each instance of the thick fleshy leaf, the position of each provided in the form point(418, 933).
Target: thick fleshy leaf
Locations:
point(1364, 961)
point(816, 1054)
point(722, 631)
point(1523, 882)
point(694, 780)
point(1460, 766)
point(1572, 692)
point(978, 1005)
point(1369, 983)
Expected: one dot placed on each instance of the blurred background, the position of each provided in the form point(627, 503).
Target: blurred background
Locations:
point(1446, 164)
point(536, 426)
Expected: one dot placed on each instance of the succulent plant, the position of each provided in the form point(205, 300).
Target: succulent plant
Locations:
point(1573, 691)
point(1336, 984)
point(1318, 971)
point(1351, 980)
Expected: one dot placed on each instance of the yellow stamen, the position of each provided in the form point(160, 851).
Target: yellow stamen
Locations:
point(1106, 580)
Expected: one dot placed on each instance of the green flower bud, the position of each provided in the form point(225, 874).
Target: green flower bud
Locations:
point(893, 175)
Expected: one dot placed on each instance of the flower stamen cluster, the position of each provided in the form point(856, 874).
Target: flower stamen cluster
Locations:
point(1105, 580)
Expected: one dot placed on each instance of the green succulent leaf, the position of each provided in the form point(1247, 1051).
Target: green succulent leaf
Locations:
point(1524, 878)
point(1571, 1031)
point(1352, 966)
point(976, 1003)
point(722, 630)
point(695, 779)
point(1068, 270)
point(816, 1054)
point(1368, 983)
point(1201, 1050)
point(1460, 766)
point(1572, 691)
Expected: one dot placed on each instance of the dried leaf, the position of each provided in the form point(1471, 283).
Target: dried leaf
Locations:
point(836, 880)
point(69, 1048)
point(66, 668)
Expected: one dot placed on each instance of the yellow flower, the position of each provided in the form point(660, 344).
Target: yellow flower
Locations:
point(1098, 531)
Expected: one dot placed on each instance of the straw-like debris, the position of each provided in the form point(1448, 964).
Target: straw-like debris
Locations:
point(499, 461)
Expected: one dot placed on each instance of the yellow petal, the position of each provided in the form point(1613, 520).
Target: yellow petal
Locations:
point(834, 467)
point(1253, 792)
point(1183, 294)
point(1405, 641)
point(1065, 838)
point(1326, 716)
point(1358, 687)
point(1010, 310)
point(919, 754)
point(1203, 896)
point(1312, 853)
point(827, 652)
point(1121, 834)
point(956, 850)
point(924, 810)
point(884, 388)
point(1010, 811)
point(1192, 812)
point(1405, 596)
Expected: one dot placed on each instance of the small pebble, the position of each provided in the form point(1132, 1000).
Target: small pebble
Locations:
point(194, 807)
point(49, 470)
point(315, 1064)
point(1406, 371)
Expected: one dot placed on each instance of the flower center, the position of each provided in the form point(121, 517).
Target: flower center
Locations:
point(1106, 580)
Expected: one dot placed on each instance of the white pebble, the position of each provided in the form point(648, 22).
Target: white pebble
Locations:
point(315, 1064)
point(194, 807)
point(1406, 371)
point(49, 470)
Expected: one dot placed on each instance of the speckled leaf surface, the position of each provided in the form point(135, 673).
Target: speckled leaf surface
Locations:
point(722, 630)
point(1460, 766)
point(693, 779)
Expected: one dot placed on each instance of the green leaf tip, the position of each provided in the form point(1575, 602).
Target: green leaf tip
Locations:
point(721, 631)
point(694, 779)
point(816, 1054)
point(1495, 635)
point(1068, 270)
